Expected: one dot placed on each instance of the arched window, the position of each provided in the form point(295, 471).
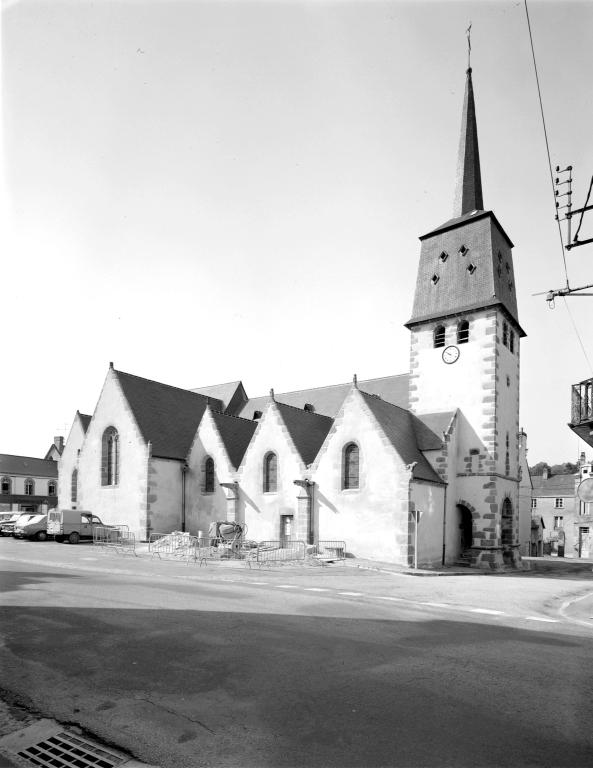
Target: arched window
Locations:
point(74, 485)
point(29, 487)
point(439, 336)
point(505, 334)
point(110, 457)
point(209, 475)
point(350, 473)
point(270, 473)
point(463, 332)
point(5, 485)
point(51, 488)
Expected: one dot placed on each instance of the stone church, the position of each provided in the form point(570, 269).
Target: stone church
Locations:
point(364, 462)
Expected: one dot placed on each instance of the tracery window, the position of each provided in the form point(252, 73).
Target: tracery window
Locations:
point(209, 475)
point(270, 473)
point(351, 467)
point(74, 485)
point(110, 457)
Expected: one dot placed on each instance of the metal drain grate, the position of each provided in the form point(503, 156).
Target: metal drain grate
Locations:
point(65, 750)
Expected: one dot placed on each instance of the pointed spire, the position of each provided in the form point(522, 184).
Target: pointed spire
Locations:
point(468, 191)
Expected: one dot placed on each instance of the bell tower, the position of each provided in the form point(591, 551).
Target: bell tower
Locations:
point(464, 357)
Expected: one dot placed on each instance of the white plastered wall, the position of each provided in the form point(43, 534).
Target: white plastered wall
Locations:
point(263, 511)
point(68, 463)
point(124, 503)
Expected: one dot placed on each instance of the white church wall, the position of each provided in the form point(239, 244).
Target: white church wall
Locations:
point(164, 495)
point(428, 499)
point(372, 519)
point(67, 463)
point(124, 503)
point(204, 507)
point(263, 511)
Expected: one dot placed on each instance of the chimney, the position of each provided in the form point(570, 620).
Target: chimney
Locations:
point(59, 443)
point(545, 473)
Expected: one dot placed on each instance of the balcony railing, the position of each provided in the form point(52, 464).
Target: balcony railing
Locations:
point(582, 402)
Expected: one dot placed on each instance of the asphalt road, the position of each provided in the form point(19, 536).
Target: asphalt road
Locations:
point(222, 667)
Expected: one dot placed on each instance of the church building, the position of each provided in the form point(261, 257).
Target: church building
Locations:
point(437, 447)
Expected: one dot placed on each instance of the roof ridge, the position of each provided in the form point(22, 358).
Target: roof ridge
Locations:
point(378, 397)
point(162, 384)
point(302, 410)
point(222, 384)
point(21, 456)
point(330, 386)
point(232, 416)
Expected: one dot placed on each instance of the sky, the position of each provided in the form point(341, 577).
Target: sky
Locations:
point(203, 192)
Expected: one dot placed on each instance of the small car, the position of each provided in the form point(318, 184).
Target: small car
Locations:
point(7, 521)
point(30, 526)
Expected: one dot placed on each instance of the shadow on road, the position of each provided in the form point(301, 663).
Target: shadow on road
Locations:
point(194, 687)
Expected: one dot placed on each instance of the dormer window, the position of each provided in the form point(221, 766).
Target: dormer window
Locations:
point(439, 336)
point(444, 256)
point(309, 408)
point(471, 268)
point(463, 250)
point(256, 415)
point(434, 279)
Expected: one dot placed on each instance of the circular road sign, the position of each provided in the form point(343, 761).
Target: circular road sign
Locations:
point(585, 490)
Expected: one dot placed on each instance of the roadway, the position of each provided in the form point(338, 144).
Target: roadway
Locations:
point(217, 666)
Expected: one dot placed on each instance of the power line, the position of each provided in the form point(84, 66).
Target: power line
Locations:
point(578, 335)
point(541, 106)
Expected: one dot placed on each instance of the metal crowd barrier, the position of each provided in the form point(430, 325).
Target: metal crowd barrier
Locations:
point(274, 552)
point(116, 538)
point(329, 550)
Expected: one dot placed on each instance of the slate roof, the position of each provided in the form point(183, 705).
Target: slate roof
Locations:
point(85, 420)
point(167, 416)
point(307, 430)
point(223, 392)
point(400, 427)
point(429, 432)
point(236, 435)
point(556, 485)
point(328, 400)
point(27, 465)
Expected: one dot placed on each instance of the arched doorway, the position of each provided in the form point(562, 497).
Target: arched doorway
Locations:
point(506, 529)
point(465, 528)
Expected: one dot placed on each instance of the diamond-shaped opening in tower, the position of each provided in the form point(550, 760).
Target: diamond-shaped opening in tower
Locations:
point(471, 268)
point(444, 256)
point(463, 250)
point(434, 279)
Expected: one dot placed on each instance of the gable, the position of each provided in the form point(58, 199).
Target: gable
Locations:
point(399, 426)
point(232, 395)
point(167, 416)
point(235, 434)
point(307, 430)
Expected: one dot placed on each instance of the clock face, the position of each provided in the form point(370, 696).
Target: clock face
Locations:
point(450, 354)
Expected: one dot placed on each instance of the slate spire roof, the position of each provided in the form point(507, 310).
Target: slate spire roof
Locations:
point(468, 191)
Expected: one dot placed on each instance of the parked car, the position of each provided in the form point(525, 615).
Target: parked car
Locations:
point(30, 526)
point(73, 525)
point(7, 521)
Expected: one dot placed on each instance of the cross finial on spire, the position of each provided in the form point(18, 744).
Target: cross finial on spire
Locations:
point(468, 32)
